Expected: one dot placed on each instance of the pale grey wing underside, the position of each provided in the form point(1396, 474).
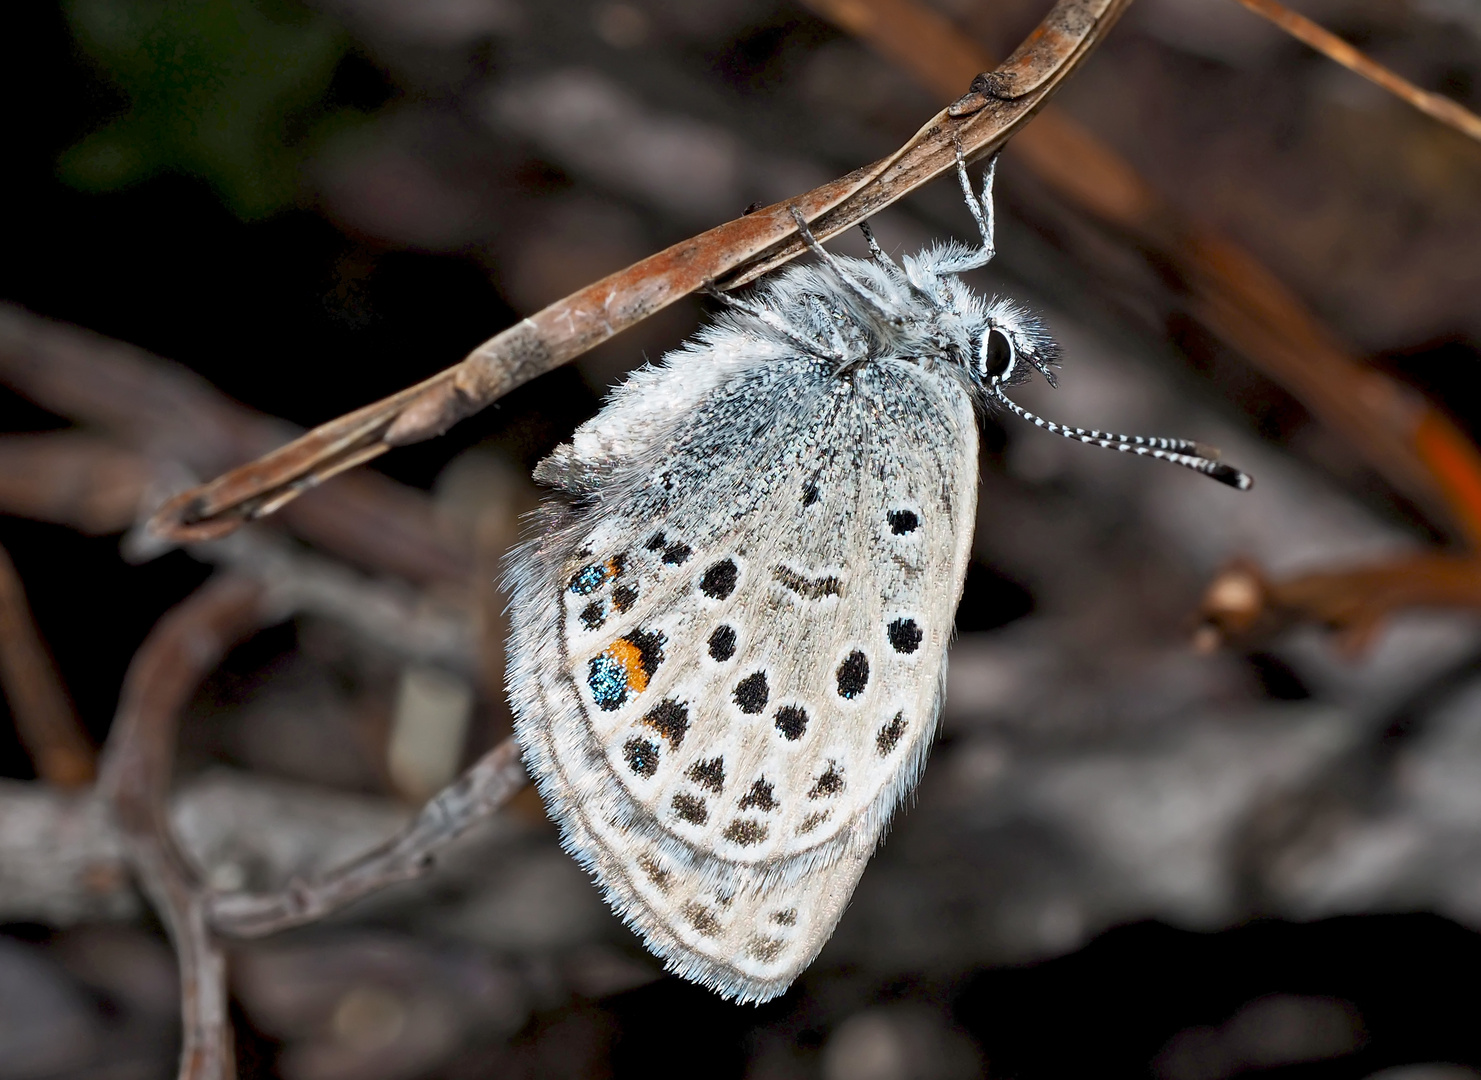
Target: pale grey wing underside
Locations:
point(726, 662)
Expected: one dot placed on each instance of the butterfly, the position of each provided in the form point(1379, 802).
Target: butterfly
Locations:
point(729, 627)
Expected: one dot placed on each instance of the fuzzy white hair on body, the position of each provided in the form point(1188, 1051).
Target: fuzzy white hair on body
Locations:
point(727, 652)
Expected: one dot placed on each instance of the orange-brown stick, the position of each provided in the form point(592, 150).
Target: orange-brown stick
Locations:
point(1331, 46)
point(44, 717)
point(1241, 606)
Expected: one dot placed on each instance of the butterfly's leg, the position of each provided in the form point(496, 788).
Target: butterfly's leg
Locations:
point(825, 318)
point(770, 318)
point(867, 298)
point(877, 252)
point(982, 210)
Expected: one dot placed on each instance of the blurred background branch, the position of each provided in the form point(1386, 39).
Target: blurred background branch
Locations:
point(44, 717)
point(175, 418)
point(1334, 48)
point(480, 793)
point(136, 774)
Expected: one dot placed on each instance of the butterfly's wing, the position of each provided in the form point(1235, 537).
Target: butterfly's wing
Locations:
point(728, 642)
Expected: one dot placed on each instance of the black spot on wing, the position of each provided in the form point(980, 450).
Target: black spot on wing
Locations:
point(719, 580)
point(745, 832)
point(751, 693)
point(676, 554)
point(764, 949)
point(905, 635)
point(655, 873)
point(889, 735)
point(655, 542)
point(691, 808)
point(853, 675)
point(760, 797)
point(623, 597)
point(670, 719)
point(903, 521)
point(649, 644)
point(641, 756)
point(812, 821)
point(791, 721)
point(722, 643)
point(709, 774)
point(809, 493)
point(830, 783)
point(702, 919)
point(593, 615)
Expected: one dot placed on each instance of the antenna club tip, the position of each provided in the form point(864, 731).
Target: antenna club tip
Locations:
point(1226, 474)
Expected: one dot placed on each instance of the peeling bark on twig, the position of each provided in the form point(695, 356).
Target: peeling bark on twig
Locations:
point(980, 122)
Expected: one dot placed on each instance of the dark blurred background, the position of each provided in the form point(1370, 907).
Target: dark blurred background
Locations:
point(1125, 860)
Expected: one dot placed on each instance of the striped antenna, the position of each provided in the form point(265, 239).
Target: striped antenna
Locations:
point(1184, 452)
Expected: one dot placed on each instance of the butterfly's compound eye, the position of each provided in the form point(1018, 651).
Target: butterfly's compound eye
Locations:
point(997, 355)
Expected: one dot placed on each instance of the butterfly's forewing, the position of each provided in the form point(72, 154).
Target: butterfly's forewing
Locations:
point(727, 654)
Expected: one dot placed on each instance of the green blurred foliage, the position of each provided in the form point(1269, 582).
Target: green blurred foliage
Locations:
point(230, 91)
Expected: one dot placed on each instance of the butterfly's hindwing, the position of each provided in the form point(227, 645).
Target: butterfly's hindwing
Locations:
point(726, 659)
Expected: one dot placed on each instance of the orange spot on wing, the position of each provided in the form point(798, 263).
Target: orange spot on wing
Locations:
point(628, 655)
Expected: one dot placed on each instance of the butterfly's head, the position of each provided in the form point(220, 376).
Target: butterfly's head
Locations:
point(1010, 345)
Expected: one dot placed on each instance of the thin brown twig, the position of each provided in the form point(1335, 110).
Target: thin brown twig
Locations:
point(1401, 436)
point(979, 123)
point(1443, 109)
point(44, 717)
point(71, 478)
point(474, 797)
point(137, 763)
point(1242, 606)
